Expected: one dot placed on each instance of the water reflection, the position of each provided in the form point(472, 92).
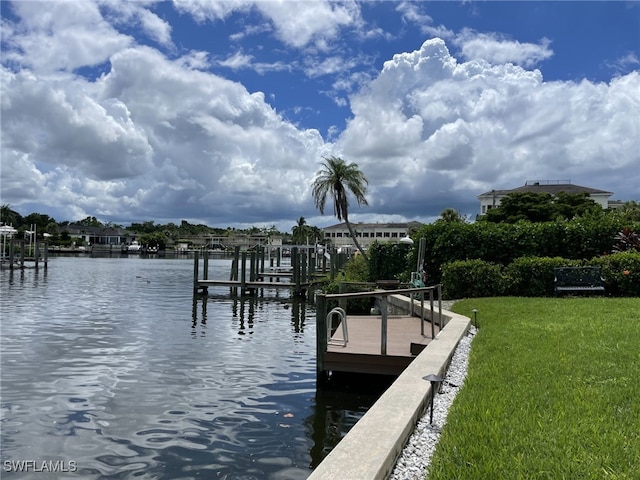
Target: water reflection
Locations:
point(111, 363)
point(338, 406)
point(243, 311)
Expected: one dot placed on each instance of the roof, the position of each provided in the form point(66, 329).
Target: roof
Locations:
point(94, 231)
point(552, 188)
point(405, 225)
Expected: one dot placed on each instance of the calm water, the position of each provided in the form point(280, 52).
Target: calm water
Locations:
point(108, 367)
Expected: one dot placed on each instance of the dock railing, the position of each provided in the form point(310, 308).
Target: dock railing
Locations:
point(416, 295)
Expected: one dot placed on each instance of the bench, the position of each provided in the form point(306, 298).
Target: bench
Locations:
point(578, 280)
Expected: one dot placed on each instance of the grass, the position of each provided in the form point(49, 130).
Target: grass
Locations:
point(552, 392)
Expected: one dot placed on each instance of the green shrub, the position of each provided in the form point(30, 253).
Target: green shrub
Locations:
point(389, 261)
point(472, 278)
point(621, 272)
point(351, 280)
point(533, 276)
point(357, 269)
point(582, 238)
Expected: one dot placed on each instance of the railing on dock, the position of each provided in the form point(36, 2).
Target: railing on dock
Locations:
point(383, 299)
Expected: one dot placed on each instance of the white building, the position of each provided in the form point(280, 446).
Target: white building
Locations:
point(492, 199)
point(367, 233)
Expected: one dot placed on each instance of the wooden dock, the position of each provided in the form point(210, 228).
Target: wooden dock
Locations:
point(20, 255)
point(362, 353)
point(251, 271)
point(382, 344)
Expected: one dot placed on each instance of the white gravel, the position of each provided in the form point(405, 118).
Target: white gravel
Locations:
point(415, 458)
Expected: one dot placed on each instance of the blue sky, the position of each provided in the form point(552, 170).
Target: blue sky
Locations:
point(221, 112)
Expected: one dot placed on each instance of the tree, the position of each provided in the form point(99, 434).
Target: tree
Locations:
point(300, 232)
point(541, 207)
point(570, 205)
point(535, 207)
point(630, 211)
point(9, 216)
point(89, 222)
point(449, 215)
point(336, 178)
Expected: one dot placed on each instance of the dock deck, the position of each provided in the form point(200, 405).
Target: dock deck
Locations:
point(362, 354)
point(237, 284)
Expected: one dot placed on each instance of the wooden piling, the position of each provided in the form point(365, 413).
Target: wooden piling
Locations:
point(22, 248)
point(205, 267)
point(383, 324)
point(262, 255)
point(11, 253)
point(196, 261)
point(243, 273)
point(321, 334)
point(234, 269)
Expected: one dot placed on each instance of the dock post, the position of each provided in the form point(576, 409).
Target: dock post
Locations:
point(234, 268)
point(46, 255)
point(11, 252)
point(313, 255)
point(342, 303)
point(253, 266)
point(321, 335)
point(243, 273)
point(433, 320)
point(36, 253)
point(303, 277)
point(205, 267)
point(332, 265)
point(439, 286)
point(295, 267)
point(422, 313)
point(383, 334)
point(196, 260)
point(22, 247)
point(262, 255)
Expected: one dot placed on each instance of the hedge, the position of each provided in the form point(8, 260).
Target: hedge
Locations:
point(502, 243)
point(533, 276)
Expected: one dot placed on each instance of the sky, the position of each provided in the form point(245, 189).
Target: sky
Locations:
point(221, 112)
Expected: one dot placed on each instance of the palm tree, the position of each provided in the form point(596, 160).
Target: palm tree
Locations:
point(449, 215)
point(337, 179)
point(9, 216)
point(300, 231)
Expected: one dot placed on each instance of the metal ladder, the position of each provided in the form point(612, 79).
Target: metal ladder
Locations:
point(342, 316)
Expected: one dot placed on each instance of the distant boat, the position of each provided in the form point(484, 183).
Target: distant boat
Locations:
point(133, 247)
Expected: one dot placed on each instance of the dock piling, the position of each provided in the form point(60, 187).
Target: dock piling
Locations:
point(195, 273)
point(321, 333)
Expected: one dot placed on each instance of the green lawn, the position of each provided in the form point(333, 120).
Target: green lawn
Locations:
point(552, 392)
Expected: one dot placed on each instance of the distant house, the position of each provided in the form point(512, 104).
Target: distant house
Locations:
point(367, 233)
point(489, 200)
point(99, 235)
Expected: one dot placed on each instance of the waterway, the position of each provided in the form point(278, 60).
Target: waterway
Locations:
point(109, 369)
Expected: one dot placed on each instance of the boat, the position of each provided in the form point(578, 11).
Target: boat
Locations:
point(133, 247)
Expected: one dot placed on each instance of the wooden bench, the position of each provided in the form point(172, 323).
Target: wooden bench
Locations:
point(578, 280)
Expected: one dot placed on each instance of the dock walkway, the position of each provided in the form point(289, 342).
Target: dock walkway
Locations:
point(361, 354)
point(385, 343)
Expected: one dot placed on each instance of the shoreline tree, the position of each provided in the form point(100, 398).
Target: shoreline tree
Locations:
point(336, 179)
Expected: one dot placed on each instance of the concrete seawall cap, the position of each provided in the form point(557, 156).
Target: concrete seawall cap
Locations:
point(370, 449)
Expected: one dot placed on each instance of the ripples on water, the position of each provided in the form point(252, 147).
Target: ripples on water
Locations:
point(107, 362)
